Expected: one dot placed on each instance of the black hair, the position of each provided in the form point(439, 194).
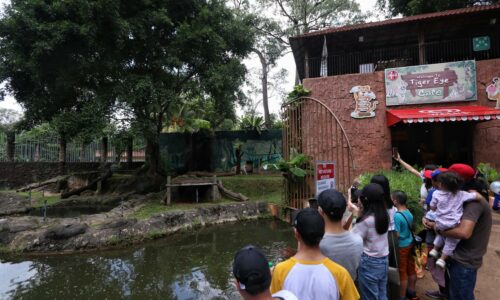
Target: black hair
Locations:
point(375, 205)
point(450, 181)
point(427, 183)
point(384, 183)
point(400, 197)
point(430, 167)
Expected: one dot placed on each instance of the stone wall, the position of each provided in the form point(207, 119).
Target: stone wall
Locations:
point(371, 138)
point(15, 174)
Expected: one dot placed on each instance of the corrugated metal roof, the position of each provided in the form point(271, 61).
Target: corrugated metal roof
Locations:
point(455, 12)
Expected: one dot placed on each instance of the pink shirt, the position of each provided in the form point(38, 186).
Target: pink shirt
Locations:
point(374, 244)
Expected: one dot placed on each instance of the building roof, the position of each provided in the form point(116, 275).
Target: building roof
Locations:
point(416, 18)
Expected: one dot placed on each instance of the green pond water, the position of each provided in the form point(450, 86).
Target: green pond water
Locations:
point(194, 265)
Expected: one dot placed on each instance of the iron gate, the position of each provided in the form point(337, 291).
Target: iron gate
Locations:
point(311, 128)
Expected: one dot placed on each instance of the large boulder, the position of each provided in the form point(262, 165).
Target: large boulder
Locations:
point(65, 231)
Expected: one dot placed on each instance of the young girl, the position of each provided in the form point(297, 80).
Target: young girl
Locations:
point(447, 201)
point(372, 226)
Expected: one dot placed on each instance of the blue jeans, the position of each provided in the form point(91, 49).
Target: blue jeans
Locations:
point(372, 277)
point(461, 281)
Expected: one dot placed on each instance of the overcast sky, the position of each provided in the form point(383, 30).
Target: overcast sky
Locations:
point(252, 63)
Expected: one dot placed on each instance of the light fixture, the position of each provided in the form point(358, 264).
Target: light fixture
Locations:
point(361, 38)
point(493, 21)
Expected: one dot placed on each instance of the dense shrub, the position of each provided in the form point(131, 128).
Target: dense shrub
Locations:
point(406, 182)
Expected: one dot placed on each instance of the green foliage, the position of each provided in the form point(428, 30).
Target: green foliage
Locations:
point(406, 182)
point(415, 7)
point(490, 174)
point(145, 58)
point(298, 91)
point(252, 122)
point(296, 167)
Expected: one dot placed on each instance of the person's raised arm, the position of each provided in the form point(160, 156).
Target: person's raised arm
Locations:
point(406, 165)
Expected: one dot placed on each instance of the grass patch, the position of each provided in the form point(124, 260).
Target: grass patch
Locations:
point(406, 182)
point(37, 197)
point(257, 187)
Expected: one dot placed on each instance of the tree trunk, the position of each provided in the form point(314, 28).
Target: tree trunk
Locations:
point(104, 156)
point(62, 153)
point(130, 152)
point(82, 152)
point(11, 145)
point(265, 97)
point(153, 157)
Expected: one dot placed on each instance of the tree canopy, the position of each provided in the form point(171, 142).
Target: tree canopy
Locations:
point(415, 7)
point(143, 58)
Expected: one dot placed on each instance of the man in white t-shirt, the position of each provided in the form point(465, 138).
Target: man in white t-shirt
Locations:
point(338, 244)
point(253, 276)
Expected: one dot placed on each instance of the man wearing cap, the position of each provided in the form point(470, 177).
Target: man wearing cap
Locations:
point(309, 274)
point(338, 244)
point(253, 276)
point(474, 232)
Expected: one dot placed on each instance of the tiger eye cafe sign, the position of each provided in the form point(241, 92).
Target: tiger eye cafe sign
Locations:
point(437, 83)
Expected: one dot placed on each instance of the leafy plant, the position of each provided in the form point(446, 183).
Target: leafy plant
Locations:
point(296, 167)
point(490, 174)
point(298, 91)
point(252, 122)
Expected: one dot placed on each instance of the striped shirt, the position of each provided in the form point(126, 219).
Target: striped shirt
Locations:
point(374, 244)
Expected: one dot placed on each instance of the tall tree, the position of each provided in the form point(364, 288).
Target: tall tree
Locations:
point(51, 59)
point(415, 7)
point(142, 56)
point(297, 17)
point(171, 49)
point(302, 16)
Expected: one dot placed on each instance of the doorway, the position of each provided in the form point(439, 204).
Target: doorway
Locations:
point(434, 143)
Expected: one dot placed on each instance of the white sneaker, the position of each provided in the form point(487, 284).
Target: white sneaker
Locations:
point(441, 263)
point(434, 253)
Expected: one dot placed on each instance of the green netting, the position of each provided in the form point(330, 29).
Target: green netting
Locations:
point(183, 152)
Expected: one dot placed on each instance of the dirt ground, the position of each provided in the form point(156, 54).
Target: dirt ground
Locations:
point(488, 276)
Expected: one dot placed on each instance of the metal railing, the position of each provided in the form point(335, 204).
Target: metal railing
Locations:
point(409, 55)
point(46, 149)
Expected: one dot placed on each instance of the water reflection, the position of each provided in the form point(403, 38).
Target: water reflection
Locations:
point(186, 266)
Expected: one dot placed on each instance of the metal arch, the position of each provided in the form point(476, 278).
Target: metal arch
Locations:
point(332, 113)
point(299, 125)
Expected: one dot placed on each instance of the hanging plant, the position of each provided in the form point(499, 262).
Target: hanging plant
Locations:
point(298, 91)
point(296, 168)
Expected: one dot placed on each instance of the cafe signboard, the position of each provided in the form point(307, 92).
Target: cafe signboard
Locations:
point(437, 83)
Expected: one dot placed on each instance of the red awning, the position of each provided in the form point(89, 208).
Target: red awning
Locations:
point(442, 114)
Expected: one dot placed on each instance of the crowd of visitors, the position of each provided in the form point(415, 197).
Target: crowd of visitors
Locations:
point(335, 261)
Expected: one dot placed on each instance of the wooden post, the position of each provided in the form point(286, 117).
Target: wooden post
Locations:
point(214, 186)
point(169, 190)
point(421, 48)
